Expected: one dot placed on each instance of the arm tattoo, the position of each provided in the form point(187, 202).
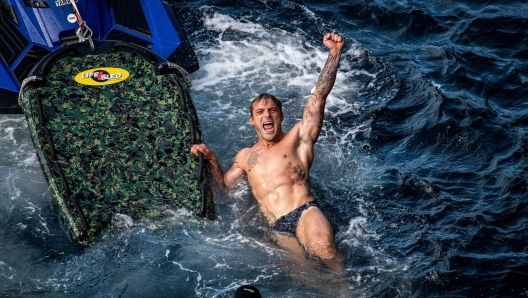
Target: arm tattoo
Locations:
point(314, 110)
point(253, 159)
point(328, 76)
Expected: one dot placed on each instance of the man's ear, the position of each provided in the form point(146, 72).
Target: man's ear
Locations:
point(251, 120)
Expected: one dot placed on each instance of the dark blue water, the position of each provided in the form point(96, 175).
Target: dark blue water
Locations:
point(421, 165)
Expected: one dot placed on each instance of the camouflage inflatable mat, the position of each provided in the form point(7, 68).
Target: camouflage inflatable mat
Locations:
point(112, 129)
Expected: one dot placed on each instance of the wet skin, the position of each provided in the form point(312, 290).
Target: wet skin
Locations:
point(277, 166)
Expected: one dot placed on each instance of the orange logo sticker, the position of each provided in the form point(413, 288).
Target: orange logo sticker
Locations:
point(102, 76)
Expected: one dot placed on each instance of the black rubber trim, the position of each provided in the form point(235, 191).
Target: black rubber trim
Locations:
point(183, 106)
point(40, 110)
point(47, 133)
point(201, 166)
point(54, 56)
point(77, 205)
point(201, 159)
point(193, 128)
point(153, 59)
point(67, 190)
point(204, 198)
point(163, 69)
point(73, 199)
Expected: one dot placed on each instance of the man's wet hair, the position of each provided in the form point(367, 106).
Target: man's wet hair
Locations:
point(265, 96)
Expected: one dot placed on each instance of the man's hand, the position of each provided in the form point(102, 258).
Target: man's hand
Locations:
point(208, 153)
point(216, 170)
point(334, 42)
point(314, 110)
point(225, 182)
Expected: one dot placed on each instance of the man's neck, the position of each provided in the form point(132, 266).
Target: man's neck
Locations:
point(269, 144)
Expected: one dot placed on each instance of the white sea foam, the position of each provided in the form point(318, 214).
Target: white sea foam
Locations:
point(358, 233)
point(198, 277)
point(30, 161)
point(264, 59)
point(221, 22)
point(223, 266)
point(247, 59)
point(9, 135)
point(121, 221)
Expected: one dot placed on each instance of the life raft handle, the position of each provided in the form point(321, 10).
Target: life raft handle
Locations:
point(201, 166)
point(153, 59)
point(204, 197)
point(67, 191)
point(40, 110)
point(201, 158)
point(73, 199)
point(47, 133)
point(77, 205)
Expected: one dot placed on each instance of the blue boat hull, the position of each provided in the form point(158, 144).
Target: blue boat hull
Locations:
point(29, 30)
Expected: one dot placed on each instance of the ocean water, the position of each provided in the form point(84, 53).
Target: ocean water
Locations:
point(421, 165)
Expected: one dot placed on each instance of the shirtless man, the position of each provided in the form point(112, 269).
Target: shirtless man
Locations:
point(277, 165)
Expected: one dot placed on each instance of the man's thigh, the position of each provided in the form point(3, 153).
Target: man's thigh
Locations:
point(314, 231)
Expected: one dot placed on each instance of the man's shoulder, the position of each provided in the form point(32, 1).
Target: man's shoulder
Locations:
point(243, 152)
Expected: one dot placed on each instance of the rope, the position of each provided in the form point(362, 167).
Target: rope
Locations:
point(183, 73)
point(25, 82)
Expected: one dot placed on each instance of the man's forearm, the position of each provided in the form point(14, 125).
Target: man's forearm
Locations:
point(209, 155)
point(328, 75)
point(314, 109)
point(218, 174)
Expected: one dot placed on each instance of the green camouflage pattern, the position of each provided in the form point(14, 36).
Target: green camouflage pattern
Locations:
point(123, 148)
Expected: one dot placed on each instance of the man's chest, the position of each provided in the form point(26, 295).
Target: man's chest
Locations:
point(271, 163)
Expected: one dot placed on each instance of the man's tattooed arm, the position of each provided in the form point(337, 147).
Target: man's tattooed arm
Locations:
point(314, 109)
point(328, 76)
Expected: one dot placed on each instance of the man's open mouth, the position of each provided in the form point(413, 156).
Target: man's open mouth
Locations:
point(268, 125)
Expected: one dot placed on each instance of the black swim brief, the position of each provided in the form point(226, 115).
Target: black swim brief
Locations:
point(288, 223)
